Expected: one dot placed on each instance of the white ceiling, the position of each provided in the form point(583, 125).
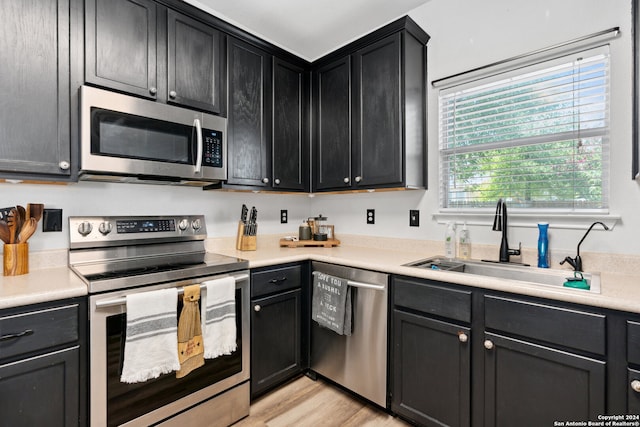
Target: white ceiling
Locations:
point(308, 28)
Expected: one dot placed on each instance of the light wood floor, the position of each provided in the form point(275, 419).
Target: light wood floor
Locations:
point(308, 403)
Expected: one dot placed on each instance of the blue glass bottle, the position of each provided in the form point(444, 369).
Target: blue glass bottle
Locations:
point(543, 245)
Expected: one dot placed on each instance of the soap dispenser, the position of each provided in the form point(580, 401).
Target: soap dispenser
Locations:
point(450, 241)
point(465, 243)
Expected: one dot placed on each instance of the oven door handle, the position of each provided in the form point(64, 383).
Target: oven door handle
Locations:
point(198, 127)
point(123, 300)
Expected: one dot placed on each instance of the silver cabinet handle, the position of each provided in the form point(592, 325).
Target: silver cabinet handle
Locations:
point(24, 333)
point(265, 180)
point(276, 181)
point(153, 90)
point(463, 337)
point(346, 180)
point(635, 385)
point(257, 307)
point(172, 94)
point(64, 165)
point(488, 344)
point(198, 127)
point(358, 178)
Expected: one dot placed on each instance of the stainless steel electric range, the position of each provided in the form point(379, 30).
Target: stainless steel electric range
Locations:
point(117, 256)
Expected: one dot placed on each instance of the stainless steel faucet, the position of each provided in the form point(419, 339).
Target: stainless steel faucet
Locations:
point(576, 262)
point(500, 224)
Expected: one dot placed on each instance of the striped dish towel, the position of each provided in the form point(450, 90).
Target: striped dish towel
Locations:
point(219, 317)
point(151, 346)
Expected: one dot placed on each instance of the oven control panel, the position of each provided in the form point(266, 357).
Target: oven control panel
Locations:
point(113, 230)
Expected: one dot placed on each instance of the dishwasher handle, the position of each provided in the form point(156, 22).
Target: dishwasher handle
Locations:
point(361, 284)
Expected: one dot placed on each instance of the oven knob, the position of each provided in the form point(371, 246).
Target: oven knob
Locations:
point(85, 228)
point(183, 224)
point(105, 228)
point(196, 224)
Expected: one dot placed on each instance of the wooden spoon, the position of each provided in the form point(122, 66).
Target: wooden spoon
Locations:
point(28, 228)
point(5, 233)
point(35, 210)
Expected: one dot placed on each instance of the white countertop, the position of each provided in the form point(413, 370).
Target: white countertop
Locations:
point(618, 290)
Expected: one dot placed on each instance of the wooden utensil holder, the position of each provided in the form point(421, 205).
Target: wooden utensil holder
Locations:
point(16, 259)
point(243, 242)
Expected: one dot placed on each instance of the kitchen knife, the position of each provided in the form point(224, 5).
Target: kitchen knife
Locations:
point(243, 215)
point(253, 216)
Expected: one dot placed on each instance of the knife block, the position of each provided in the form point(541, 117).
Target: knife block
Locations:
point(245, 243)
point(16, 259)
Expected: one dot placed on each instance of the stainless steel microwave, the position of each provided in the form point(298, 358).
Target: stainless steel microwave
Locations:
point(127, 139)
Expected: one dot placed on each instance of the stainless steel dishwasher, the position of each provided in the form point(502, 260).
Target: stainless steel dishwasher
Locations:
point(359, 361)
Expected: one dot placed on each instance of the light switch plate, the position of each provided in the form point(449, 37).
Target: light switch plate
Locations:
point(414, 218)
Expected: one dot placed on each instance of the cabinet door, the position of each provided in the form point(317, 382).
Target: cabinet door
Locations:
point(249, 114)
point(275, 340)
point(35, 39)
point(332, 150)
point(378, 142)
point(194, 68)
point(41, 391)
point(289, 142)
point(431, 370)
point(633, 395)
point(521, 378)
point(121, 45)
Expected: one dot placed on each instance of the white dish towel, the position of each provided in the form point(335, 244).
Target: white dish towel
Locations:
point(218, 315)
point(151, 346)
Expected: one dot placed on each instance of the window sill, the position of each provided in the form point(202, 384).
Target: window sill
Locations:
point(569, 221)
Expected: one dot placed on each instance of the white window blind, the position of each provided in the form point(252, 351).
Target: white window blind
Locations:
point(537, 136)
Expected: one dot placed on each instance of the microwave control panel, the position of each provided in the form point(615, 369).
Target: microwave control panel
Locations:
point(212, 152)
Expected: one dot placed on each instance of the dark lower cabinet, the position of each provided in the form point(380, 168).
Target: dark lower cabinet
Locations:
point(42, 365)
point(532, 385)
point(276, 327)
point(41, 391)
point(431, 370)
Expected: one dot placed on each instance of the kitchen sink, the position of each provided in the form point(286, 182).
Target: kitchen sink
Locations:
point(520, 272)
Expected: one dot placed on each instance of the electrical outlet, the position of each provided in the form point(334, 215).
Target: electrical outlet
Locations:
point(371, 216)
point(414, 218)
point(284, 216)
point(52, 220)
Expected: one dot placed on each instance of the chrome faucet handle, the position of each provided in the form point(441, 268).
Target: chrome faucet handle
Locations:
point(516, 252)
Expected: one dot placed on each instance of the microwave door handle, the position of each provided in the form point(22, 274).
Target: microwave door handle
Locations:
point(196, 124)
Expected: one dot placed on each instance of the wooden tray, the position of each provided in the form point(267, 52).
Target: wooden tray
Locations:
point(307, 243)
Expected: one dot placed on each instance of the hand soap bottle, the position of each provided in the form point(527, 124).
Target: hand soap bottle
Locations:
point(450, 241)
point(465, 243)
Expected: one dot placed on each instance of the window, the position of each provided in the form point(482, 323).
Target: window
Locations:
point(536, 136)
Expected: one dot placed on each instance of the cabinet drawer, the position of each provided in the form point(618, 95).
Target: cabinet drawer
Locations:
point(633, 342)
point(36, 330)
point(555, 325)
point(433, 299)
point(276, 280)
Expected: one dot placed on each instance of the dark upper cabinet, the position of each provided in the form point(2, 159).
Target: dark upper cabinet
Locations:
point(37, 42)
point(248, 127)
point(370, 112)
point(268, 116)
point(121, 40)
point(290, 142)
point(377, 129)
point(332, 103)
point(195, 63)
point(142, 48)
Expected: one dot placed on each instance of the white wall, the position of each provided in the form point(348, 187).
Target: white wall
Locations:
point(464, 34)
